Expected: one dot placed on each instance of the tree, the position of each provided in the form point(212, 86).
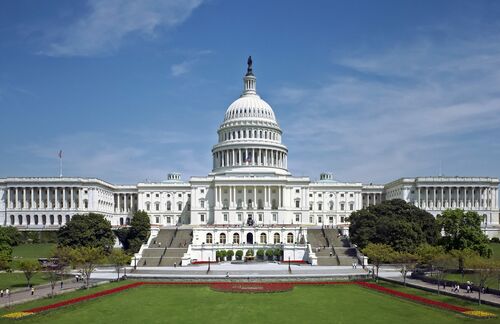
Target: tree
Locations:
point(29, 268)
point(270, 254)
point(5, 256)
point(378, 254)
point(441, 263)
point(87, 259)
point(408, 262)
point(118, 259)
point(462, 230)
point(483, 270)
point(137, 234)
point(10, 235)
point(394, 222)
point(229, 254)
point(427, 252)
point(239, 254)
point(90, 230)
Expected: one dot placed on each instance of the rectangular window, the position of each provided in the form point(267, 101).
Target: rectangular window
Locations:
point(320, 219)
point(275, 217)
point(341, 206)
point(311, 220)
point(351, 206)
point(297, 218)
point(331, 219)
point(157, 219)
point(147, 207)
point(202, 203)
point(157, 206)
point(239, 217)
point(297, 203)
point(320, 206)
point(225, 217)
point(179, 206)
point(169, 220)
point(261, 217)
point(297, 190)
point(202, 218)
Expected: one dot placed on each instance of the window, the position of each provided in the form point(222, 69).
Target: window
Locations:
point(209, 238)
point(297, 203)
point(277, 239)
point(28, 219)
point(169, 220)
point(311, 220)
point(310, 195)
point(341, 195)
point(157, 206)
point(236, 238)
point(289, 238)
point(351, 195)
point(239, 217)
point(67, 219)
point(320, 219)
point(275, 217)
point(157, 219)
point(202, 203)
point(222, 238)
point(157, 195)
point(320, 206)
point(44, 219)
point(179, 206)
point(296, 191)
point(121, 220)
point(169, 205)
point(342, 206)
point(297, 218)
point(36, 219)
point(331, 205)
point(202, 190)
point(225, 217)
point(261, 217)
point(179, 195)
point(260, 205)
point(147, 195)
point(59, 219)
point(310, 206)
point(351, 206)
point(202, 218)
point(263, 238)
point(319, 195)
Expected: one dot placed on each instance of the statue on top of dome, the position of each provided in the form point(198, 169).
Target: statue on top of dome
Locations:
point(249, 68)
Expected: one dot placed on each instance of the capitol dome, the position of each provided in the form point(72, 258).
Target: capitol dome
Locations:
point(249, 137)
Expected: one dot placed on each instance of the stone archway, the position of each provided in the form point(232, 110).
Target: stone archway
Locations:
point(249, 238)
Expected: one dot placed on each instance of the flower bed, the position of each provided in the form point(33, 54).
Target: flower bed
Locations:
point(252, 287)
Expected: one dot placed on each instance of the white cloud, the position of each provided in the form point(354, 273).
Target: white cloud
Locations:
point(400, 113)
point(109, 22)
point(185, 66)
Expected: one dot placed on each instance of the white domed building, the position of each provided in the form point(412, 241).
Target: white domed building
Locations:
point(249, 201)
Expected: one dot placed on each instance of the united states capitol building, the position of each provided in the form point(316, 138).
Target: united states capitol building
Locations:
point(249, 200)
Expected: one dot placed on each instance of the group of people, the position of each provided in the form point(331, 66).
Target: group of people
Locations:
point(354, 265)
point(6, 293)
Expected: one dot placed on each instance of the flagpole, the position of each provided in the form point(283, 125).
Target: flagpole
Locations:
point(60, 164)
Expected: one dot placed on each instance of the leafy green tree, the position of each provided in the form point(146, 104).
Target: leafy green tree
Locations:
point(11, 236)
point(426, 253)
point(239, 254)
point(483, 270)
point(269, 254)
point(29, 268)
point(379, 254)
point(408, 262)
point(87, 259)
point(5, 256)
point(138, 232)
point(90, 230)
point(260, 254)
point(462, 230)
point(394, 222)
point(118, 258)
point(441, 263)
point(229, 255)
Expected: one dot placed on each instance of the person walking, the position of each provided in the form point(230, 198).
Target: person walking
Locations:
point(7, 292)
point(62, 283)
point(32, 291)
point(1, 293)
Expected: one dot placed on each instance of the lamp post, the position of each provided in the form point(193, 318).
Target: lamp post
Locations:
point(208, 270)
point(135, 263)
point(289, 267)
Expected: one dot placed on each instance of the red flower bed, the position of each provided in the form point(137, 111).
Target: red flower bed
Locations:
point(417, 299)
point(252, 287)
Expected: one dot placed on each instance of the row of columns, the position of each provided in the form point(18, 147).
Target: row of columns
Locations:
point(45, 198)
point(125, 202)
point(250, 156)
point(249, 133)
point(457, 197)
point(370, 199)
point(232, 202)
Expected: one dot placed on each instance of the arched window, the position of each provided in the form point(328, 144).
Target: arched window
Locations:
point(59, 219)
point(289, 238)
point(239, 204)
point(36, 219)
point(277, 239)
point(236, 238)
point(209, 238)
point(28, 219)
point(222, 238)
point(127, 221)
point(263, 238)
point(51, 219)
point(250, 204)
point(20, 219)
point(67, 219)
point(121, 220)
point(274, 205)
point(225, 204)
point(169, 205)
point(12, 219)
point(331, 205)
point(44, 219)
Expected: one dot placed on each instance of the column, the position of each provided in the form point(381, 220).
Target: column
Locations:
point(442, 197)
point(8, 198)
point(71, 204)
point(32, 203)
point(458, 197)
point(39, 197)
point(426, 197)
point(255, 196)
point(279, 197)
point(24, 198)
point(465, 197)
point(449, 197)
point(473, 198)
point(64, 198)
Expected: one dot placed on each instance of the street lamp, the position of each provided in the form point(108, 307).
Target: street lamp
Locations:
point(289, 267)
point(208, 270)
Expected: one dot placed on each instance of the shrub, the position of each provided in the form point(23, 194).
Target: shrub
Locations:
point(278, 253)
point(269, 254)
point(239, 254)
point(229, 255)
point(495, 240)
point(249, 253)
point(260, 254)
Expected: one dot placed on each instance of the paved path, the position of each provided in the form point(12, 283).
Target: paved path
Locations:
point(41, 291)
point(473, 296)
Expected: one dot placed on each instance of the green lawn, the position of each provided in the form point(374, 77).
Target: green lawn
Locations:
point(304, 304)
point(18, 280)
point(32, 251)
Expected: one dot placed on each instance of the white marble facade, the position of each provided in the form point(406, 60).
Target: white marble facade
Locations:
point(249, 185)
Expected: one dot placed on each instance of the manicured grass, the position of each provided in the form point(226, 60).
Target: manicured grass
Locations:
point(32, 251)
point(18, 280)
point(304, 304)
point(495, 247)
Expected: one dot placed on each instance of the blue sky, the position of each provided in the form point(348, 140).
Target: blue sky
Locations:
point(369, 90)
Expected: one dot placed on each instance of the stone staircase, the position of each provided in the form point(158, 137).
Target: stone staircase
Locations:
point(346, 255)
point(321, 247)
point(167, 248)
point(327, 240)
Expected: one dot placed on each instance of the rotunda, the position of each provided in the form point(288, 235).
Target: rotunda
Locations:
point(249, 138)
